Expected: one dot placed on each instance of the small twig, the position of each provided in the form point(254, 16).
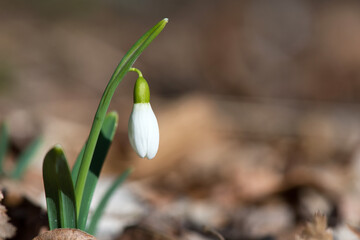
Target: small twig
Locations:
point(212, 231)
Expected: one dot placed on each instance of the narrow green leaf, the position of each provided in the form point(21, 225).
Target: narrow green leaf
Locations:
point(119, 73)
point(76, 167)
point(104, 201)
point(67, 194)
point(4, 143)
point(102, 146)
point(25, 158)
point(52, 188)
point(59, 190)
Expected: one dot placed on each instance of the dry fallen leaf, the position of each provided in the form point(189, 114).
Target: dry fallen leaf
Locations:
point(316, 229)
point(6, 229)
point(142, 232)
point(355, 230)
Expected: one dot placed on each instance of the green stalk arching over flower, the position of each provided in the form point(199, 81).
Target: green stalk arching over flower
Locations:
point(123, 67)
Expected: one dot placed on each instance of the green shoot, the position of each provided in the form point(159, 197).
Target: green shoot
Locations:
point(119, 73)
point(69, 195)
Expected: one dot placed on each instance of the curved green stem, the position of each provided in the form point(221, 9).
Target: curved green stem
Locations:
point(136, 70)
point(121, 70)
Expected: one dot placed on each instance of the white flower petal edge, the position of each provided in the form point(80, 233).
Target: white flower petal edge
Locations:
point(143, 130)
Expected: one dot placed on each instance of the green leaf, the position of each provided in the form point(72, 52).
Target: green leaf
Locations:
point(76, 167)
point(102, 146)
point(51, 188)
point(119, 73)
point(25, 158)
point(59, 190)
point(104, 201)
point(4, 143)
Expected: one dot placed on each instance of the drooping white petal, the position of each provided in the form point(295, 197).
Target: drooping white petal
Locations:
point(143, 130)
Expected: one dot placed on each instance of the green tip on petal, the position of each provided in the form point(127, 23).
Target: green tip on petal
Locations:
point(141, 91)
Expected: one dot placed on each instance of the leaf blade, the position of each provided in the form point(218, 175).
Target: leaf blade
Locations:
point(59, 190)
point(76, 167)
point(102, 147)
point(67, 194)
point(51, 189)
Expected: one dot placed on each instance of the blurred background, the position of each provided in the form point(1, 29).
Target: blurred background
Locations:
point(258, 105)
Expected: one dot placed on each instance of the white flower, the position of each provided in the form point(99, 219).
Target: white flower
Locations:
point(143, 130)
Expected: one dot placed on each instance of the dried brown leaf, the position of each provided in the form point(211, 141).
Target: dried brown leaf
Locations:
point(7, 230)
point(316, 229)
point(144, 232)
point(355, 230)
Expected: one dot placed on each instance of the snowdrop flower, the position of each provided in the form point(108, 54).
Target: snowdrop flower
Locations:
point(143, 127)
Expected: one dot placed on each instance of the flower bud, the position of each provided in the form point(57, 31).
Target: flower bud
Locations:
point(143, 127)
